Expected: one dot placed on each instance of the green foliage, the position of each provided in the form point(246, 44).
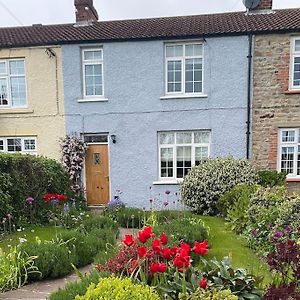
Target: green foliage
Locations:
point(15, 269)
point(222, 276)
point(71, 290)
point(201, 294)
point(6, 205)
point(234, 205)
point(179, 230)
point(98, 222)
point(268, 178)
point(118, 289)
point(52, 260)
point(27, 175)
point(207, 182)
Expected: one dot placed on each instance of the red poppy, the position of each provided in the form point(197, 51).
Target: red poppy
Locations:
point(201, 248)
point(142, 252)
point(162, 268)
point(154, 268)
point(166, 253)
point(156, 246)
point(203, 283)
point(128, 240)
point(164, 239)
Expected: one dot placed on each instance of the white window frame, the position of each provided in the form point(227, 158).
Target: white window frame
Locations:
point(22, 138)
point(8, 77)
point(294, 54)
point(294, 145)
point(174, 146)
point(92, 62)
point(182, 59)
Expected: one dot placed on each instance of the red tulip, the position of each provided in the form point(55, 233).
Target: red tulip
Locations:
point(203, 283)
point(162, 268)
point(164, 239)
point(156, 246)
point(142, 252)
point(141, 237)
point(182, 261)
point(145, 234)
point(174, 250)
point(154, 268)
point(128, 241)
point(201, 248)
point(166, 253)
point(184, 247)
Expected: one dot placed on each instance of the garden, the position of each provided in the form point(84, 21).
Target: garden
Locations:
point(235, 236)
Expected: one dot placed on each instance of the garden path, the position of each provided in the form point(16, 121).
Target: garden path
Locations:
point(42, 289)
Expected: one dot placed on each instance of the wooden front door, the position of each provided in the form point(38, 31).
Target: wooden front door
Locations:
point(97, 175)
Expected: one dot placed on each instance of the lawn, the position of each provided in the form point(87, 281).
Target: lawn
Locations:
point(225, 243)
point(31, 233)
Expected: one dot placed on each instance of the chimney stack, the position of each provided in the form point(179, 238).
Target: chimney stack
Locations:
point(85, 11)
point(263, 5)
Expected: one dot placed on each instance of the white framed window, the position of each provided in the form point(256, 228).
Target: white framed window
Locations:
point(295, 64)
point(289, 152)
point(12, 83)
point(25, 145)
point(92, 66)
point(184, 68)
point(181, 150)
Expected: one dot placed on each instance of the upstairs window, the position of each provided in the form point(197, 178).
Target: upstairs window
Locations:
point(184, 68)
point(180, 151)
point(289, 152)
point(12, 84)
point(92, 60)
point(25, 145)
point(295, 67)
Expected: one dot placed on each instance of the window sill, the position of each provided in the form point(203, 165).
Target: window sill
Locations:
point(183, 96)
point(168, 182)
point(16, 111)
point(92, 100)
point(291, 92)
point(295, 179)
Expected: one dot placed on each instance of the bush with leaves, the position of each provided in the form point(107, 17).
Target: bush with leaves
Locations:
point(118, 289)
point(204, 294)
point(269, 178)
point(203, 186)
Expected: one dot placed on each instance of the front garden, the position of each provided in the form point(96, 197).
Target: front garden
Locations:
point(237, 238)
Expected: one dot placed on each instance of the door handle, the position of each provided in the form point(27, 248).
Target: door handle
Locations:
point(107, 177)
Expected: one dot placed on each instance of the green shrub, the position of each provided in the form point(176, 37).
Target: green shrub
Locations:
point(118, 289)
point(6, 205)
point(268, 178)
point(235, 204)
point(201, 294)
point(31, 176)
point(207, 182)
point(15, 269)
point(53, 260)
point(99, 222)
point(179, 230)
point(71, 290)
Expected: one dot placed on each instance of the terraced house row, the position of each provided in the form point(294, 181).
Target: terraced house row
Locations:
point(153, 97)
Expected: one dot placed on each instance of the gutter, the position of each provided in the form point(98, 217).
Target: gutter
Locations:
point(249, 94)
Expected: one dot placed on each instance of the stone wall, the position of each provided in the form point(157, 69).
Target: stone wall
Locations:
point(274, 106)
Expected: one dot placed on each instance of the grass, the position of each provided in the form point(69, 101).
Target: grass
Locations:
point(30, 234)
point(225, 243)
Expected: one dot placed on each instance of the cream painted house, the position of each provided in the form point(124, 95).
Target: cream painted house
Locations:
point(31, 101)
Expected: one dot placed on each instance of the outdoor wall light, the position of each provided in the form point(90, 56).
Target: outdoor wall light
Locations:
point(113, 138)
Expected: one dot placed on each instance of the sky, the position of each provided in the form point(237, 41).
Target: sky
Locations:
point(28, 12)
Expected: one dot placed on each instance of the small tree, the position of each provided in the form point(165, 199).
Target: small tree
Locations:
point(206, 183)
point(73, 154)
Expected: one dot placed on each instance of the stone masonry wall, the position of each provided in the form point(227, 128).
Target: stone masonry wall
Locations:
point(274, 106)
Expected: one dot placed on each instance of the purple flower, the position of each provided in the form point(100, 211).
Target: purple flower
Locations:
point(54, 201)
point(166, 203)
point(115, 203)
point(288, 229)
point(253, 232)
point(66, 208)
point(30, 200)
point(277, 235)
point(167, 192)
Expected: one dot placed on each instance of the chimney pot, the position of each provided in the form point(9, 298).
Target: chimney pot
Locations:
point(263, 5)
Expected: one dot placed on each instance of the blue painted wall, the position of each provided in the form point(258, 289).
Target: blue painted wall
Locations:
point(134, 83)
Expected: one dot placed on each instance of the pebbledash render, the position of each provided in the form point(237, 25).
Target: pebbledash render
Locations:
point(159, 135)
point(276, 105)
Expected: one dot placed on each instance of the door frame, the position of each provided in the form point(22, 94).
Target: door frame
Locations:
point(108, 154)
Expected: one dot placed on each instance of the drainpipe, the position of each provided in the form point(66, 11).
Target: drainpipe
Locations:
point(249, 92)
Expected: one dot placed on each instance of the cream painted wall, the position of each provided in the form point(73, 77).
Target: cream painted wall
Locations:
point(44, 116)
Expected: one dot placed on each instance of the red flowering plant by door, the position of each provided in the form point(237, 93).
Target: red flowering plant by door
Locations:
point(169, 269)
